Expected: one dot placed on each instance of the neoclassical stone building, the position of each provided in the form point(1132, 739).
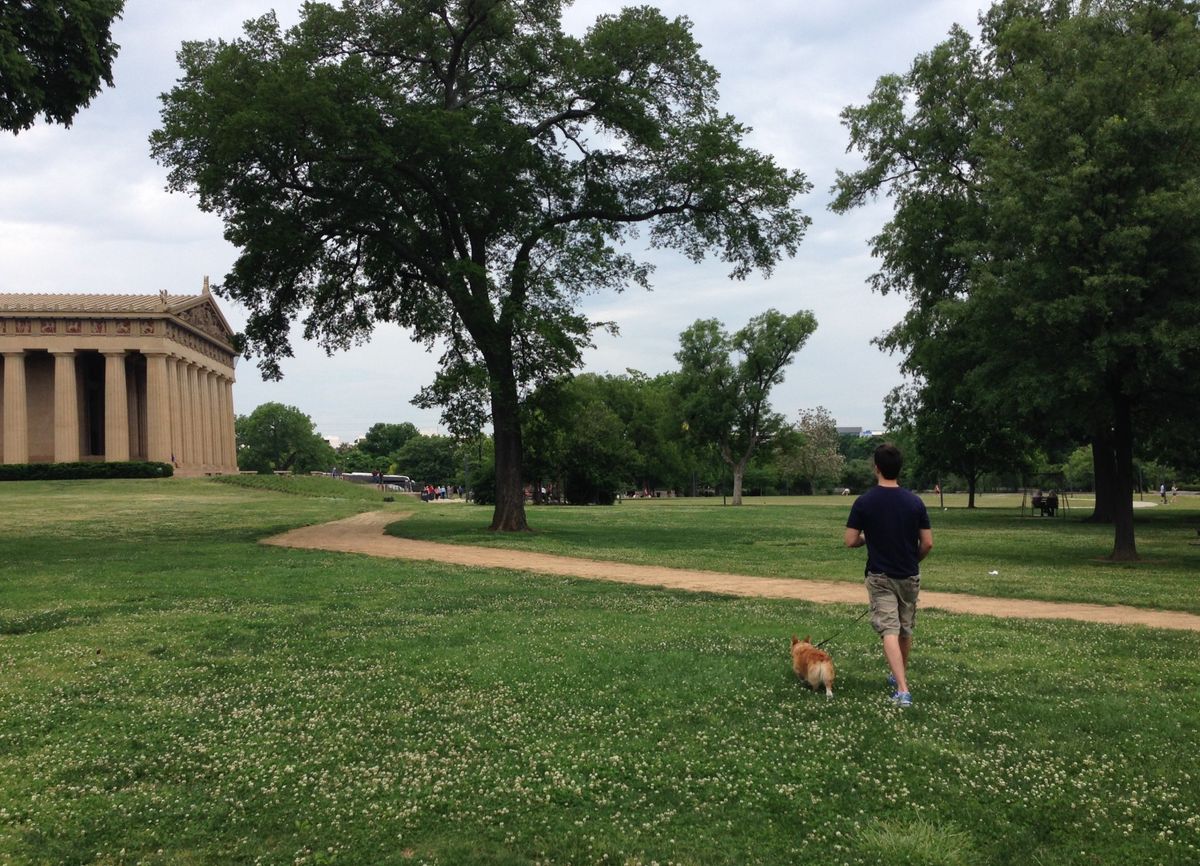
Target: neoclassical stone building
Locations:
point(117, 377)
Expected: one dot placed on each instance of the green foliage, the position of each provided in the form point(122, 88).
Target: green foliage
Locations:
point(725, 402)
point(1078, 469)
point(67, 471)
point(482, 488)
point(596, 436)
point(54, 56)
point(955, 432)
point(469, 175)
point(277, 437)
point(855, 447)
point(351, 458)
point(857, 474)
point(596, 458)
point(384, 440)
point(811, 454)
point(1047, 222)
point(429, 459)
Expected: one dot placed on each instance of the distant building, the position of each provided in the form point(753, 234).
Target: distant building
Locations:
point(117, 377)
point(860, 432)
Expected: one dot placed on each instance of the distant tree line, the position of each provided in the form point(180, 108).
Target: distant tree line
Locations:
point(707, 428)
point(589, 439)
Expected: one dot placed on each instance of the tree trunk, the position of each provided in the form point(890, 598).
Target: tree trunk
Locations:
point(739, 470)
point(972, 480)
point(1124, 546)
point(1104, 470)
point(509, 515)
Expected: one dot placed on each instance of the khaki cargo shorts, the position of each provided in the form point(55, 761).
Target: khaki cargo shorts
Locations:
point(893, 603)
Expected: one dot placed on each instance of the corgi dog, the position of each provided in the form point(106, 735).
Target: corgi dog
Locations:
point(812, 665)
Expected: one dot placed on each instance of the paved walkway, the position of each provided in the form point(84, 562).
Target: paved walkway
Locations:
point(364, 533)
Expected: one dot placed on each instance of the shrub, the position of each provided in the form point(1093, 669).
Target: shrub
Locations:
point(72, 471)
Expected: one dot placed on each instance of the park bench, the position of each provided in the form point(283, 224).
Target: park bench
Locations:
point(1046, 504)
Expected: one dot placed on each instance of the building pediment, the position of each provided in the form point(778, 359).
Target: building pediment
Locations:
point(94, 321)
point(202, 314)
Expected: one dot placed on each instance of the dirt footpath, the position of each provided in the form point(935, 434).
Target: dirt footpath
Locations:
point(363, 533)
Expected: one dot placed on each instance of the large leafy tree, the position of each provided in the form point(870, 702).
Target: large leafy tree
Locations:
point(1046, 183)
point(957, 435)
point(278, 437)
point(812, 454)
point(428, 459)
point(54, 57)
point(383, 440)
point(591, 437)
point(725, 380)
point(468, 170)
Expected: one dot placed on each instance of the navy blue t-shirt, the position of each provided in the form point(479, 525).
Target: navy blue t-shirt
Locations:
point(892, 519)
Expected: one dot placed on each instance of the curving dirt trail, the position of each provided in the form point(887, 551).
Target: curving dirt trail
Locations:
point(363, 533)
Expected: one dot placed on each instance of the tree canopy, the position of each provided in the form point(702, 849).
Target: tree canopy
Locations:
point(725, 381)
point(278, 437)
point(382, 441)
point(54, 57)
point(812, 454)
point(1046, 184)
point(467, 170)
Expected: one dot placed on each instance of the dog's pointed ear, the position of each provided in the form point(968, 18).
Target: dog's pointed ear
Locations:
point(807, 639)
point(795, 640)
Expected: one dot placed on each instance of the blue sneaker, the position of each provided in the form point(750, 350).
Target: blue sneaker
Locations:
point(902, 699)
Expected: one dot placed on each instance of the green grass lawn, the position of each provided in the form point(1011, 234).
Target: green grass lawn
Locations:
point(1058, 559)
point(172, 692)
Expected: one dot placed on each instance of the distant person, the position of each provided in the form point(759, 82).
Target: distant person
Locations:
point(1174, 491)
point(893, 524)
point(1162, 492)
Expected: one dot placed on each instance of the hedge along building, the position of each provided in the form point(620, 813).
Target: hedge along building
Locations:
point(117, 377)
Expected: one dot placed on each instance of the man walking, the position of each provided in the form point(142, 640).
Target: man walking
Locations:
point(893, 524)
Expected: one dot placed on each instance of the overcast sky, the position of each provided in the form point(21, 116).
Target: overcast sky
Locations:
point(84, 209)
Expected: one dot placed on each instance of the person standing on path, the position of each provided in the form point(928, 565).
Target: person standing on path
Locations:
point(893, 524)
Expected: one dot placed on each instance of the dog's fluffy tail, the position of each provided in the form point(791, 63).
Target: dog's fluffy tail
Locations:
point(822, 674)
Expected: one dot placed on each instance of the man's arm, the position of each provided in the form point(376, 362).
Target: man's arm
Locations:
point(855, 537)
point(924, 544)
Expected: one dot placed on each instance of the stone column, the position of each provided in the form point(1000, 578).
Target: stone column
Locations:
point(229, 433)
point(176, 409)
point(214, 421)
point(66, 409)
point(158, 408)
point(116, 408)
point(193, 420)
point(16, 409)
point(203, 421)
point(185, 415)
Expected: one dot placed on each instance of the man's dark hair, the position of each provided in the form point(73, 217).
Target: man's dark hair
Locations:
point(889, 460)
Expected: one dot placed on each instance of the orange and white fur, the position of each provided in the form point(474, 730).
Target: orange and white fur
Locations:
point(812, 665)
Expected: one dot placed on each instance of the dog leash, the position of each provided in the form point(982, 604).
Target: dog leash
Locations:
point(852, 622)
